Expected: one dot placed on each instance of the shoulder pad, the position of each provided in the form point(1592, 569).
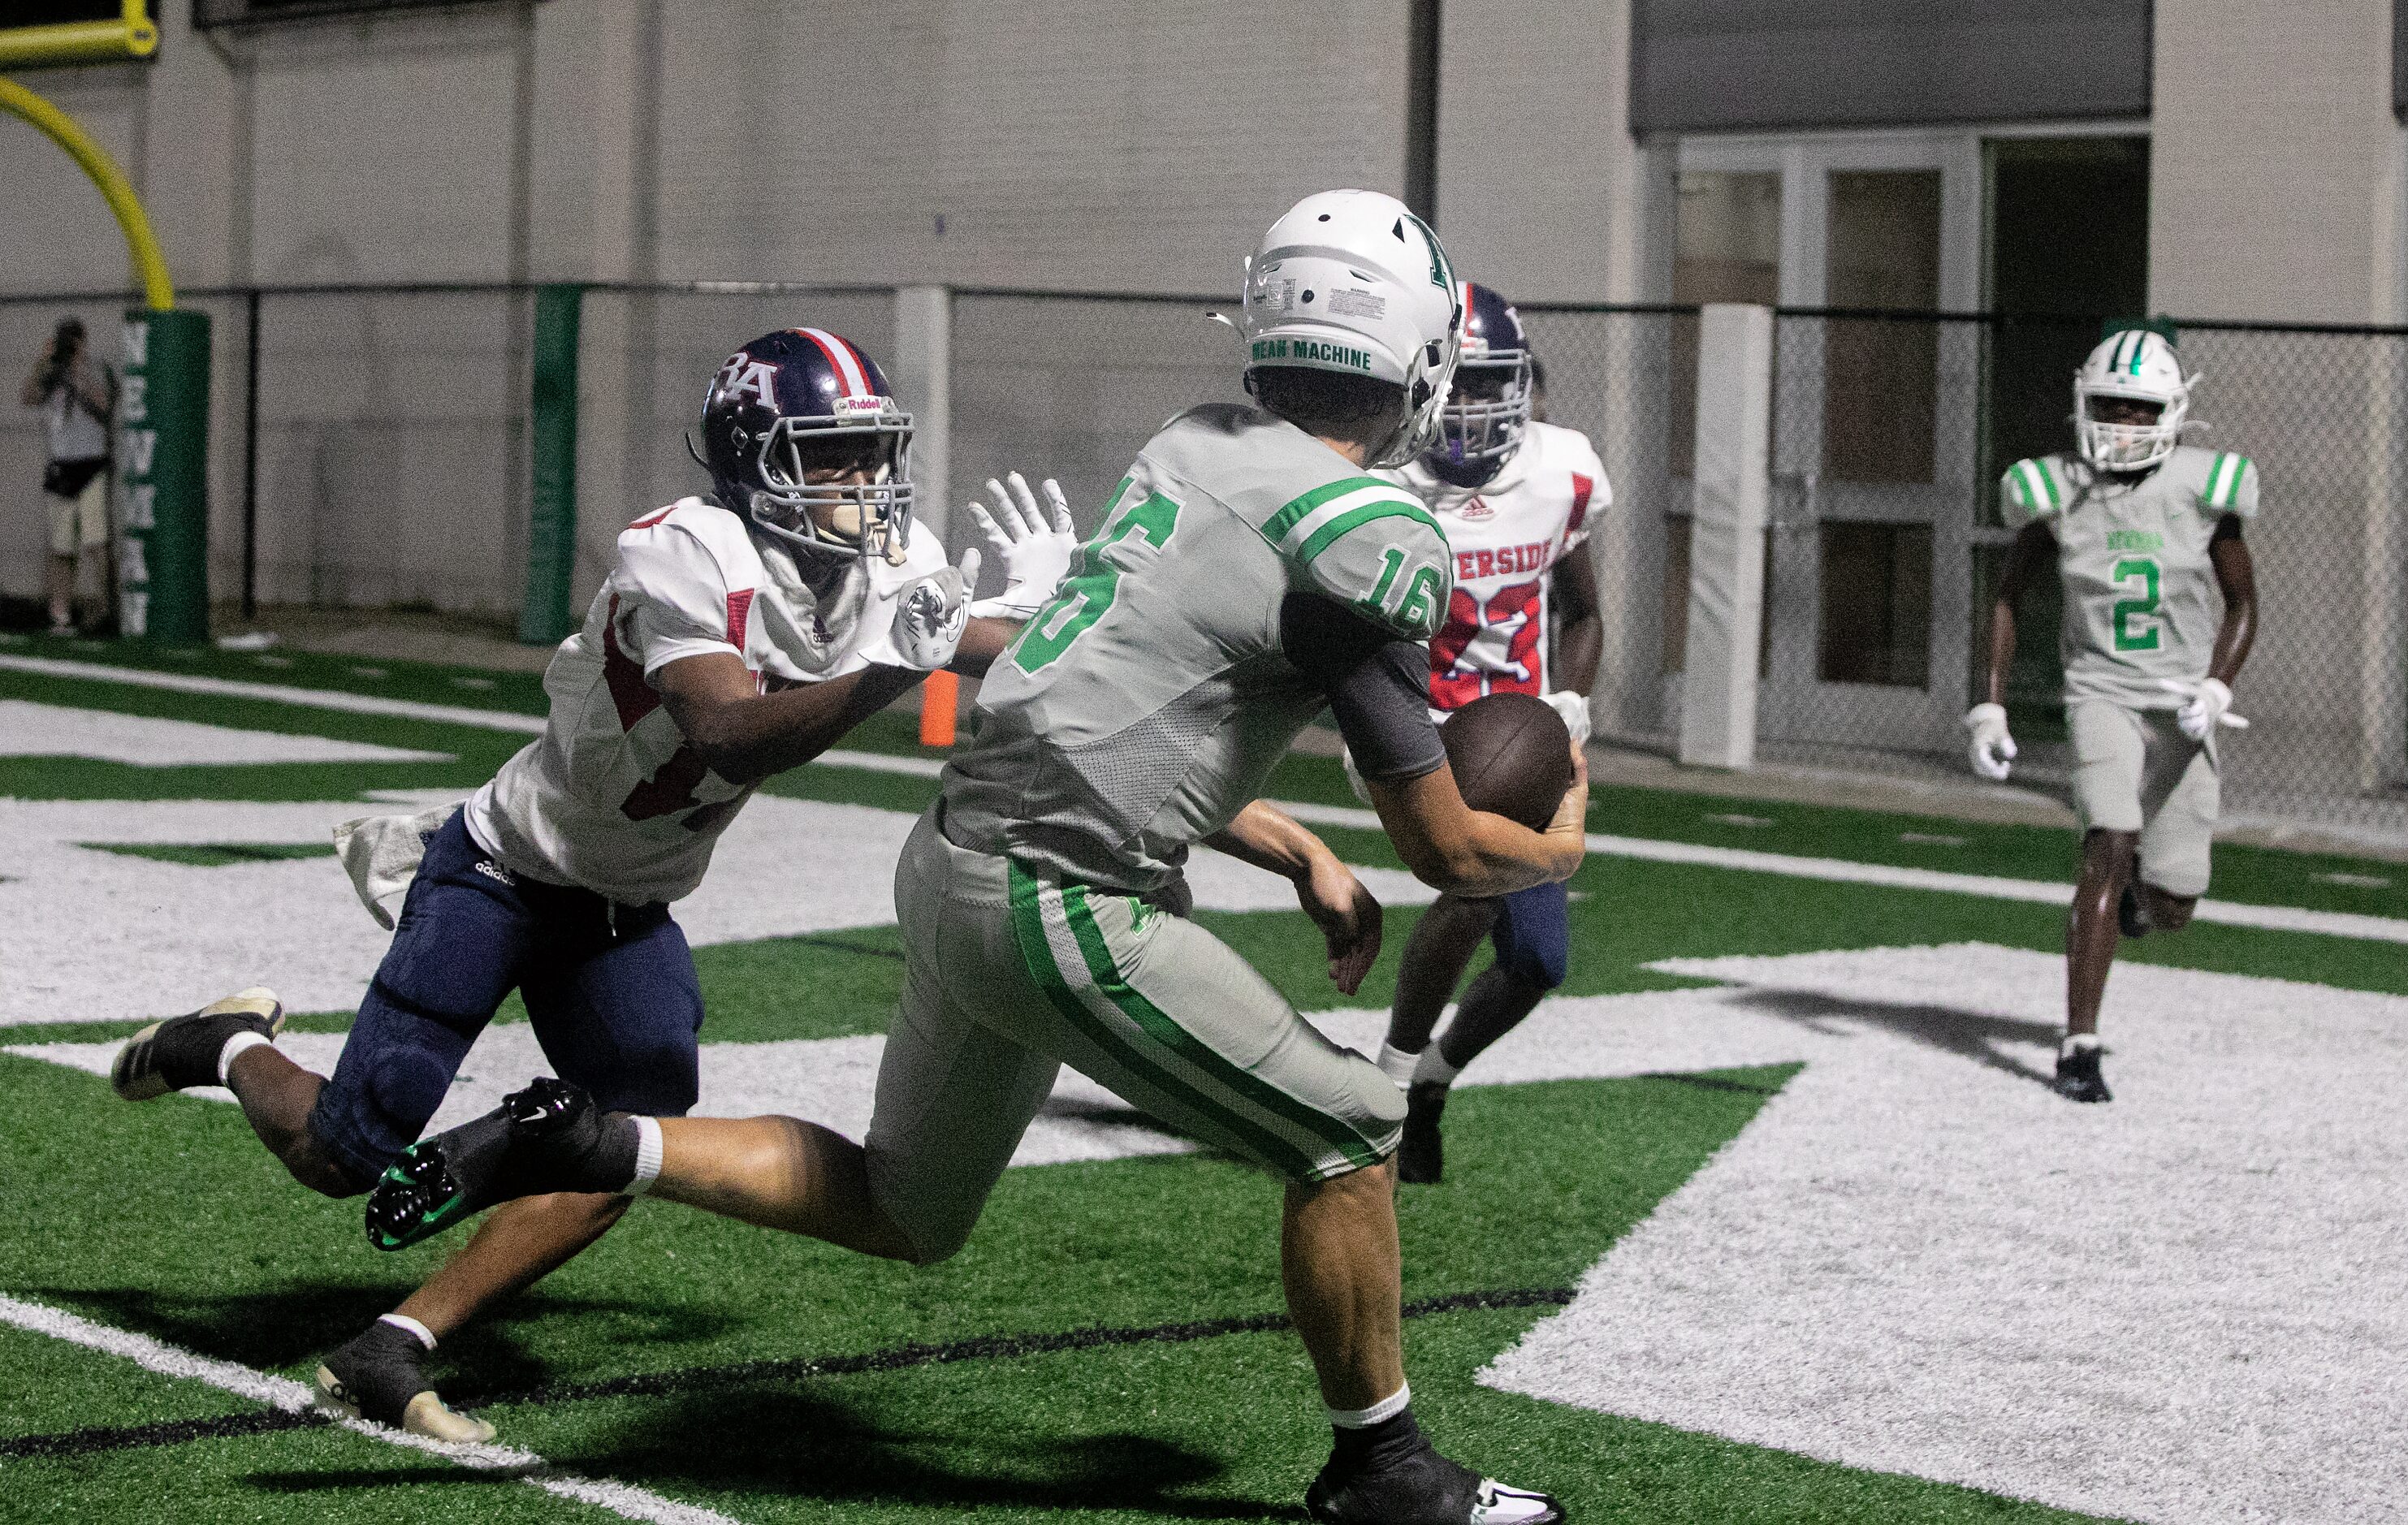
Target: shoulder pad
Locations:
point(1371, 546)
point(2034, 488)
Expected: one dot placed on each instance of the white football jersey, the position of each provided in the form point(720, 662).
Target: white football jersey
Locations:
point(1507, 535)
point(610, 798)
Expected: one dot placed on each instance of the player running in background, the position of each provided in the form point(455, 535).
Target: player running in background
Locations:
point(737, 636)
point(1248, 572)
point(2160, 609)
point(1514, 497)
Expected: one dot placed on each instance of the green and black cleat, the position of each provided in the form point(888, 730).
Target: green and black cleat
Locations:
point(535, 1142)
point(181, 1052)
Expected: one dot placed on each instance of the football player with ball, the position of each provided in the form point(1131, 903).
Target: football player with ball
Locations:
point(739, 634)
point(2160, 609)
point(1248, 571)
point(1514, 496)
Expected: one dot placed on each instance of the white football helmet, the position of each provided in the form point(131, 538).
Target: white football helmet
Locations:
point(1352, 282)
point(2137, 364)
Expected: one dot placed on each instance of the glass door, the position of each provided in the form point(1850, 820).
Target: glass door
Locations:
point(1868, 574)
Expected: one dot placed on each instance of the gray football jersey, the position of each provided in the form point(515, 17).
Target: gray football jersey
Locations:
point(1146, 706)
point(2141, 598)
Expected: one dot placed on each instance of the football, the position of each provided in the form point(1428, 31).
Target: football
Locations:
point(1511, 756)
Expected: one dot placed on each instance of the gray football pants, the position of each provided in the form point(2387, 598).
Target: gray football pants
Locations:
point(1009, 975)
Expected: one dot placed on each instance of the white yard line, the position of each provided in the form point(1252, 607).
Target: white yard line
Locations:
point(354, 704)
point(2380, 929)
point(279, 1392)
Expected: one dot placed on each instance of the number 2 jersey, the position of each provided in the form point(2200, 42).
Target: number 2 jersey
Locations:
point(1244, 575)
point(2141, 597)
point(1507, 535)
point(610, 798)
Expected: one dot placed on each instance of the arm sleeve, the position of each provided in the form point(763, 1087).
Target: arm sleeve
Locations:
point(1378, 685)
point(1374, 549)
point(674, 600)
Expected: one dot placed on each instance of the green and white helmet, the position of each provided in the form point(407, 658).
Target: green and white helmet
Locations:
point(1352, 282)
point(2137, 364)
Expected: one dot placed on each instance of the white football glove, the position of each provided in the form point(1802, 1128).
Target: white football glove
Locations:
point(931, 613)
point(1993, 750)
point(2209, 704)
point(1573, 708)
point(1035, 557)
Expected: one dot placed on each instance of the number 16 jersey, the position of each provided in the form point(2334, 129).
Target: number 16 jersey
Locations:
point(2141, 598)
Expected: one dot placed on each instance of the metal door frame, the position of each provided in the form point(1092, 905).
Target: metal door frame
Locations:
point(1794, 704)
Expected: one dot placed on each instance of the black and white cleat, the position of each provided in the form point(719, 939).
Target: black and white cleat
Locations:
point(1424, 1489)
point(1421, 1153)
point(2078, 1078)
point(378, 1376)
point(181, 1052)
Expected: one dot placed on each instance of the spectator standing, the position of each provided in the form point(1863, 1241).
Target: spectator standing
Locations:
point(76, 394)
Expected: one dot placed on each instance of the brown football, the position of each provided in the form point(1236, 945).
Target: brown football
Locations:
point(1511, 756)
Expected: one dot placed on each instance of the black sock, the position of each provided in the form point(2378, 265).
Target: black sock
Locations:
point(611, 1165)
point(1377, 1448)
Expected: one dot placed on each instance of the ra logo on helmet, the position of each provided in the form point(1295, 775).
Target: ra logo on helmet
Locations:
point(743, 374)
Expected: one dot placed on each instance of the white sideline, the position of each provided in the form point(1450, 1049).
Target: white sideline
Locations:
point(2380, 929)
point(279, 1392)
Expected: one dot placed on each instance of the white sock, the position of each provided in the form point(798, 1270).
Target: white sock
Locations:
point(648, 1156)
point(234, 1046)
point(2076, 1041)
point(1363, 1418)
point(1434, 1069)
point(1397, 1063)
point(403, 1321)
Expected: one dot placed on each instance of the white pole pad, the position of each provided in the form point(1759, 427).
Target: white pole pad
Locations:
point(1727, 535)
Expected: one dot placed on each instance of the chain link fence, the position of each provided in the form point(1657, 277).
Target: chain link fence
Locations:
point(386, 461)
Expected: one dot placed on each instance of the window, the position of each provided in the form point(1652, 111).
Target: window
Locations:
point(1876, 624)
point(1880, 378)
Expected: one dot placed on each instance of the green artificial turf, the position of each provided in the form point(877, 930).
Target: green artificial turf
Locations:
point(167, 1218)
point(1542, 1179)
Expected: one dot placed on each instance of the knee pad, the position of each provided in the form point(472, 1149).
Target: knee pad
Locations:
point(1533, 937)
point(406, 1086)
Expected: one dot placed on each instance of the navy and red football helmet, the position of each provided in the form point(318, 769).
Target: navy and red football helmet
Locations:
point(1485, 415)
point(801, 402)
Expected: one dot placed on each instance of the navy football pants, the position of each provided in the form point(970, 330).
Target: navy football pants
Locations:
point(610, 991)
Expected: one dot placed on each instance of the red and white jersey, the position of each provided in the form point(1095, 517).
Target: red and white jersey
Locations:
point(611, 798)
point(1507, 536)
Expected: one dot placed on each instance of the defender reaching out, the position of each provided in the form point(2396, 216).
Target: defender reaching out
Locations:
point(738, 634)
point(2160, 609)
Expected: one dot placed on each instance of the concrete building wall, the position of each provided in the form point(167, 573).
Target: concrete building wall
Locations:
point(2273, 179)
point(1537, 174)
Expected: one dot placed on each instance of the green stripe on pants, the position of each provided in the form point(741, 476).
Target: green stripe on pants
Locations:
point(1037, 952)
point(1158, 1024)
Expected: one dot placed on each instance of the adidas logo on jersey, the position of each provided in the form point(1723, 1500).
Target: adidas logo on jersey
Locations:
point(492, 870)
